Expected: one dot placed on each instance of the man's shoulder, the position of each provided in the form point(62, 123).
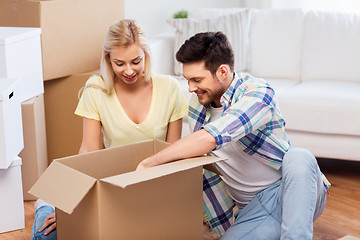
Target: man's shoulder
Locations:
point(250, 80)
point(247, 82)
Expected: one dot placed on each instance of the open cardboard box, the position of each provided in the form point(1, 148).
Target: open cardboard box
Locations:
point(98, 195)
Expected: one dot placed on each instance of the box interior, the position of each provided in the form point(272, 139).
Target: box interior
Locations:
point(114, 161)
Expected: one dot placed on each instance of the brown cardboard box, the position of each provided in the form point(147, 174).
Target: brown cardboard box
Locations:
point(63, 127)
point(98, 195)
point(34, 154)
point(72, 31)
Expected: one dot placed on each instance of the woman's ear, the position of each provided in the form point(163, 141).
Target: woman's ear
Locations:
point(222, 71)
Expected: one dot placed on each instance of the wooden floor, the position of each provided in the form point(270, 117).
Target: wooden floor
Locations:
point(342, 212)
point(340, 218)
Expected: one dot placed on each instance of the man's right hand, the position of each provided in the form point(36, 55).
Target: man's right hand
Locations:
point(50, 220)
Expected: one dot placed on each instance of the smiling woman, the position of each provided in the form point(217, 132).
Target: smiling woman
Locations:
point(127, 63)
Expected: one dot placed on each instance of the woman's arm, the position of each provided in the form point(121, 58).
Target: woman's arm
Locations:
point(174, 131)
point(92, 137)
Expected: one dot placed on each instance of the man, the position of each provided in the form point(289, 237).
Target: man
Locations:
point(278, 189)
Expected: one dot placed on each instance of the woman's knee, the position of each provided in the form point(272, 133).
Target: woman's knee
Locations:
point(40, 215)
point(41, 236)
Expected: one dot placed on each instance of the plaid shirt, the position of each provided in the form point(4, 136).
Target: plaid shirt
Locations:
point(251, 116)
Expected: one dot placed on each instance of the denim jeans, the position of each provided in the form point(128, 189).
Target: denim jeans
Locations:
point(286, 209)
point(40, 214)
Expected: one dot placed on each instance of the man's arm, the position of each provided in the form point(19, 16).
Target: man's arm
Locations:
point(195, 144)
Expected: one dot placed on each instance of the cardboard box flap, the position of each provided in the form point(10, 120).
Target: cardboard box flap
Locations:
point(130, 178)
point(62, 186)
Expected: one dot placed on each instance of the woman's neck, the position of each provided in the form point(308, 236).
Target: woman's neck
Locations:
point(134, 87)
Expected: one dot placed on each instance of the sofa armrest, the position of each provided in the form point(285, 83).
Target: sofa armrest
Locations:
point(162, 53)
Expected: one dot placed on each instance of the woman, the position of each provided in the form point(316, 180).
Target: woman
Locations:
point(122, 104)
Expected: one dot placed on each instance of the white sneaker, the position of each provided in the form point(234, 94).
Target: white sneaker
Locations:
point(40, 203)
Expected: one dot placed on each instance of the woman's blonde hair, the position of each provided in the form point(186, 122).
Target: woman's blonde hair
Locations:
point(122, 33)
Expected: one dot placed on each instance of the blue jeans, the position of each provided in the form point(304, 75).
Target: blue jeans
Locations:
point(286, 209)
point(40, 214)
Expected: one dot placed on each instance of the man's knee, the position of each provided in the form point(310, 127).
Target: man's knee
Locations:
point(300, 160)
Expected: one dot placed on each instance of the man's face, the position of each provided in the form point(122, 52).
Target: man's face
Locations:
point(207, 87)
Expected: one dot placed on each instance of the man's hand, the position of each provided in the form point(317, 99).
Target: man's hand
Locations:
point(141, 166)
point(193, 145)
point(207, 235)
point(146, 163)
point(49, 220)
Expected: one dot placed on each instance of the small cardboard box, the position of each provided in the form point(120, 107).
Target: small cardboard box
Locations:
point(98, 195)
point(12, 215)
point(34, 154)
point(72, 31)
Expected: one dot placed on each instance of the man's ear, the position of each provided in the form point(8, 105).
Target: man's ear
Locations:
point(222, 71)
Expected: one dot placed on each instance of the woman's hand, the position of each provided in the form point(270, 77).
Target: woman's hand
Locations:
point(50, 220)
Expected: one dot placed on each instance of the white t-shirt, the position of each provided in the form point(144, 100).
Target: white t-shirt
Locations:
point(244, 175)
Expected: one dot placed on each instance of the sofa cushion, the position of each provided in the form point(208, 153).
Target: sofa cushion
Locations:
point(275, 39)
point(331, 48)
point(280, 85)
point(322, 107)
point(234, 25)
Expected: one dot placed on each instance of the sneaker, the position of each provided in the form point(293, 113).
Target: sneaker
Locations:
point(40, 203)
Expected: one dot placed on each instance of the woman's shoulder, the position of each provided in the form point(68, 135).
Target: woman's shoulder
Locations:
point(96, 79)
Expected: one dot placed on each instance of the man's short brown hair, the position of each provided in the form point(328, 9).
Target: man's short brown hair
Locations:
point(211, 47)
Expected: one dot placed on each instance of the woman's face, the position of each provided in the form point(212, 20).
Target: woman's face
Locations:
point(128, 63)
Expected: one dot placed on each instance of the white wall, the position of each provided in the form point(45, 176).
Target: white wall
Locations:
point(329, 5)
point(151, 15)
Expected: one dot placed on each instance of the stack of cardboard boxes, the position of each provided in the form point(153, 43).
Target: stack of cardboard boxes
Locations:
point(48, 49)
point(21, 81)
point(72, 34)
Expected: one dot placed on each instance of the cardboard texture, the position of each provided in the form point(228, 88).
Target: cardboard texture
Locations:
point(98, 195)
point(63, 127)
point(72, 30)
point(34, 153)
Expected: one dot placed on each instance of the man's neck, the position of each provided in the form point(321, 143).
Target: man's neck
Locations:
point(228, 81)
point(231, 78)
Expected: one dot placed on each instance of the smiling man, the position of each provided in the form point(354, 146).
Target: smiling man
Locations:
point(278, 189)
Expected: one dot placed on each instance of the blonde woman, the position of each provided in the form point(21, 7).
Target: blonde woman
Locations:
point(124, 103)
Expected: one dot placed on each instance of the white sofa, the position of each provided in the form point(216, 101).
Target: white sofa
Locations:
point(312, 60)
